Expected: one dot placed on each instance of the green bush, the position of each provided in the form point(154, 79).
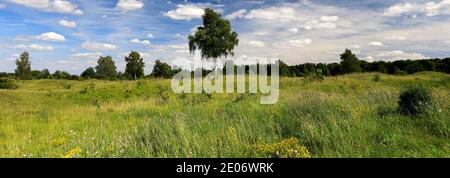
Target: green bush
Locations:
point(8, 84)
point(376, 78)
point(414, 100)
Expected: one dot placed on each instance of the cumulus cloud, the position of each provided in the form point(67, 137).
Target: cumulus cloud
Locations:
point(94, 55)
point(127, 5)
point(59, 6)
point(34, 47)
point(98, 46)
point(293, 30)
point(51, 36)
point(429, 9)
point(399, 55)
point(329, 18)
point(258, 44)
point(395, 37)
point(298, 43)
point(185, 12)
point(2, 6)
point(376, 43)
point(315, 24)
point(272, 13)
point(138, 41)
point(238, 14)
point(69, 24)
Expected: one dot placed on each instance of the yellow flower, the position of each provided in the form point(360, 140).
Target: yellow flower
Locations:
point(72, 153)
point(288, 148)
point(59, 141)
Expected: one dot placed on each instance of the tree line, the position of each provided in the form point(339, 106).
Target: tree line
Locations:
point(107, 70)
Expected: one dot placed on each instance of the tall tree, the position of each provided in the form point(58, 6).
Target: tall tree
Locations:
point(135, 65)
point(106, 68)
point(215, 38)
point(161, 70)
point(350, 63)
point(23, 70)
point(45, 74)
point(89, 73)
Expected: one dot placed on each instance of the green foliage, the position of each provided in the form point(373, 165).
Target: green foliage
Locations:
point(163, 93)
point(89, 73)
point(45, 74)
point(214, 38)
point(284, 69)
point(376, 78)
point(135, 66)
point(414, 100)
point(106, 68)
point(61, 75)
point(6, 83)
point(316, 75)
point(162, 70)
point(350, 63)
point(23, 70)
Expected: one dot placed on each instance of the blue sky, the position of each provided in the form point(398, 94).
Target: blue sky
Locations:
point(70, 34)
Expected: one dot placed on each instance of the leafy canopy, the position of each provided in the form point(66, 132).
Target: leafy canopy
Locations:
point(106, 69)
point(23, 70)
point(350, 63)
point(161, 70)
point(215, 38)
point(135, 66)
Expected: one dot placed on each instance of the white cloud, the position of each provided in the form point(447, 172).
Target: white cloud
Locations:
point(51, 36)
point(258, 44)
point(88, 55)
point(238, 14)
point(272, 13)
point(399, 9)
point(2, 6)
point(138, 41)
point(399, 55)
point(186, 12)
point(355, 46)
point(395, 37)
point(34, 47)
point(151, 35)
point(369, 59)
point(69, 24)
point(127, 5)
point(375, 43)
point(293, 43)
point(329, 18)
point(98, 46)
point(293, 30)
point(59, 6)
point(430, 8)
point(314, 24)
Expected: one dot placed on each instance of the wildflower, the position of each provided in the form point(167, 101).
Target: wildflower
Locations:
point(72, 153)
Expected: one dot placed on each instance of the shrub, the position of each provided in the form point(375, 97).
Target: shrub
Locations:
point(8, 84)
point(288, 148)
point(163, 93)
point(67, 86)
point(83, 90)
point(414, 100)
point(376, 78)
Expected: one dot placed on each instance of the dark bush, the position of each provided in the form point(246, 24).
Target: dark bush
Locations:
point(414, 100)
point(8, 84)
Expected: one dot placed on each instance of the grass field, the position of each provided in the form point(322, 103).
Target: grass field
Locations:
point(346, 116)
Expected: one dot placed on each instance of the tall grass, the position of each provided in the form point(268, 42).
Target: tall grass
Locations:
point(346, 116)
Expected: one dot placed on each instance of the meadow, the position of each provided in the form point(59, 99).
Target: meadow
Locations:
point(346, 116)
